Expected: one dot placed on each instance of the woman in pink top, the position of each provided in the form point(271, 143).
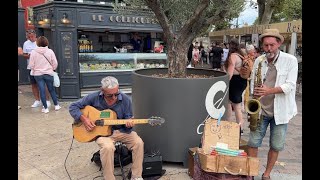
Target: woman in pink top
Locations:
point(42, 63)
point(195, 55)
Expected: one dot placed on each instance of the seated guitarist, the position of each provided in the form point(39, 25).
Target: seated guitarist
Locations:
point(109, 97)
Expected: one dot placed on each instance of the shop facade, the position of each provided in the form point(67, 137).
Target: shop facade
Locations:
point(92, 41)
point(292, 32)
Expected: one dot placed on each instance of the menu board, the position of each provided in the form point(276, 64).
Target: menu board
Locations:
point(67, 56)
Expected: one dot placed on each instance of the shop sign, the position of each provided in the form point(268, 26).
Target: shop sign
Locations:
point(284, 27)
point(124, 19)
point(132, 19)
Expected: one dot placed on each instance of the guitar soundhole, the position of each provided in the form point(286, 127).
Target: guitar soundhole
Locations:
point(99, 122)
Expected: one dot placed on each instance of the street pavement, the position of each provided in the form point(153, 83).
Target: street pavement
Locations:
point(44, 141)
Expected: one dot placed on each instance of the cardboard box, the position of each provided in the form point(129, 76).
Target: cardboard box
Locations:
point(226, 132)
point(235, 165)
point(191, 154)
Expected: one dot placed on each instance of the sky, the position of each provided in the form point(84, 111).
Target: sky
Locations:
point(249, 15)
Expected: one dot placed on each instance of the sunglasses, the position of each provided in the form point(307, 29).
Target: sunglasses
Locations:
point(31, 31)
point(111, 95)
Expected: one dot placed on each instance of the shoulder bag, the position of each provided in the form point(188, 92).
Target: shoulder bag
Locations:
point(56, 79)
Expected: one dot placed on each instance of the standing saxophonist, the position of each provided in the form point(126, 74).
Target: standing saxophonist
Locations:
point(279, 72)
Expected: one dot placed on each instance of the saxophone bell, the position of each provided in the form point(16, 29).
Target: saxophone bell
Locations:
point(253, 108)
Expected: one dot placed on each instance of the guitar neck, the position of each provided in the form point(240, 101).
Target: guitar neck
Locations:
point(124, 121)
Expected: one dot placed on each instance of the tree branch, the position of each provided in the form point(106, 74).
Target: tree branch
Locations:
point(221, 15)
point(195, 29)
point(155, 6)
point(197, 13)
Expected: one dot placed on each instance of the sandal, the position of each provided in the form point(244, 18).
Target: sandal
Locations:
point(265, 178)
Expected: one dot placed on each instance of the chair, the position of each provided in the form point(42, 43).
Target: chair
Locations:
point(122, 157)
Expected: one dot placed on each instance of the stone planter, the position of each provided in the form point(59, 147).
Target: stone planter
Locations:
point(183, 103)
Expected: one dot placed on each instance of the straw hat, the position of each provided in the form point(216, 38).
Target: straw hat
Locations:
point(271, 33)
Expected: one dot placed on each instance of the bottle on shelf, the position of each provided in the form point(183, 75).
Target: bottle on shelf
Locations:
point(91, 46)
point(85, 47)
point(80, 46)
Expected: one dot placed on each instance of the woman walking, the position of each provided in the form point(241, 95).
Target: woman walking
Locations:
point(237, 84)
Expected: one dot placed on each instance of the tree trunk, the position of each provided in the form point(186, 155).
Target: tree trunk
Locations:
point(266, 17)
point(261, 5)
point(177, 58)
point(178, 49)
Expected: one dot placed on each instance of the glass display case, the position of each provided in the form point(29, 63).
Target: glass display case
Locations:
point(151, 60)
point(117, 62)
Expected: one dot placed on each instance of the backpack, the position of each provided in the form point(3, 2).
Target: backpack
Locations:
point(246, 68)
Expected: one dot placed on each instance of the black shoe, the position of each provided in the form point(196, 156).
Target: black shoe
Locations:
point(241, 132)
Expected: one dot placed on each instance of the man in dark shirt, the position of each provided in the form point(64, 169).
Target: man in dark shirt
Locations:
point(217, 53)
point(190, 53)
point(109, 97)
point(136, 43)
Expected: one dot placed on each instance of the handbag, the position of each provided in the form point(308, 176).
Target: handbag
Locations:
point(56, 79)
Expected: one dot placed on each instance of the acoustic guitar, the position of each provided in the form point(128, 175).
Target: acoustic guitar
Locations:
point(103, 121)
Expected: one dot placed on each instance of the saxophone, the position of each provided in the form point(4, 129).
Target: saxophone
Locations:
point(253, 106)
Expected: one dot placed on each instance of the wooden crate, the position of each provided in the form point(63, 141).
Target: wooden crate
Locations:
point(200, 174)
point(235, 165)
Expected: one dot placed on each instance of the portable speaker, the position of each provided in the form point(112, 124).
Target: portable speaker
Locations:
point(152, 165)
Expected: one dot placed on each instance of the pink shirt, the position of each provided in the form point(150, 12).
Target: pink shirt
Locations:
point(196, 54)
point(39, 65)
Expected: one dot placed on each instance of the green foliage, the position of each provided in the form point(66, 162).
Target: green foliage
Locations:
point(288, 11)
point(292, 9)
point(179, 12)
point(182, 21)
point(284, 10)
point(277, 17)
point(223, 25)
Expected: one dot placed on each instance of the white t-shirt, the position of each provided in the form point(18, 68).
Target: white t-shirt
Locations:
point(225, 54)
point(28, 46)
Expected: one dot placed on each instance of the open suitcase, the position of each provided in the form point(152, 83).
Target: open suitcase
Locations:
point(200, 174)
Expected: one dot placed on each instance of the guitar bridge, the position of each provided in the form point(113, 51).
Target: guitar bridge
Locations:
point(99, 122)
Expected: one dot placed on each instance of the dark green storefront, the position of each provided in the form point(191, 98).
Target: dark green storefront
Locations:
point(64, 23)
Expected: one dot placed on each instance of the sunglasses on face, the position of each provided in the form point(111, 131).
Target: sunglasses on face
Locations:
point(111, 95)
point(31, 31)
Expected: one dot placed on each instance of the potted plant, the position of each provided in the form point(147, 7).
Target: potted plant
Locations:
point(183, 96)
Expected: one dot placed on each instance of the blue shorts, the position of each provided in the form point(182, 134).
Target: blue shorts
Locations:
point(32, 80)
point(277, 134)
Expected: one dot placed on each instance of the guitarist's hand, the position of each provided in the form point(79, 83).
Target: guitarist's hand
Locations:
point(129, 124)
point(89, 125)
